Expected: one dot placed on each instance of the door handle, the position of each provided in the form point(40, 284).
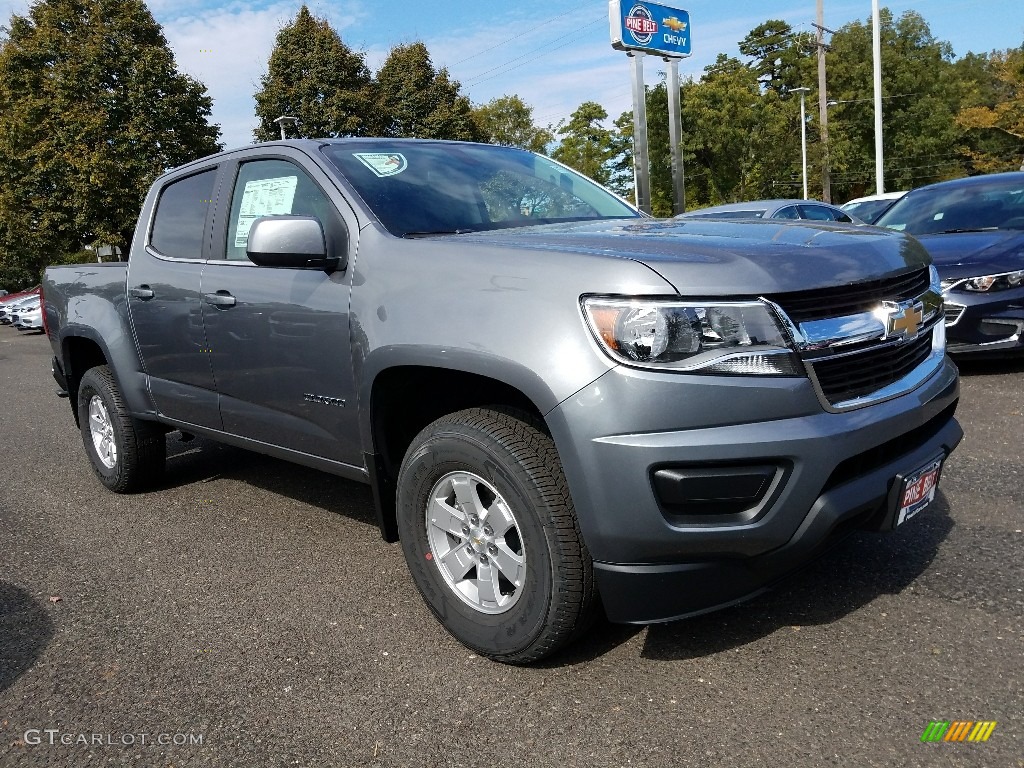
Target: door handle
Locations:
point(220, 299)
point(142, 292)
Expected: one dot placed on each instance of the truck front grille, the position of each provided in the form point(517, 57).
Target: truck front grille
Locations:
point(849, 377)
point(851, 299)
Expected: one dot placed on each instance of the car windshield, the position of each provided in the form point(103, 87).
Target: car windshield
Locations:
point(971, 207)
point(420, 189)
point(868, 210)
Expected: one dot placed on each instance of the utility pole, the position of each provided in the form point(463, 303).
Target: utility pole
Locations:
point(826, 183)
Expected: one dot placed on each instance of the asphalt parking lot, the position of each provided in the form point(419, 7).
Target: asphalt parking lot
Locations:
point(250, 605)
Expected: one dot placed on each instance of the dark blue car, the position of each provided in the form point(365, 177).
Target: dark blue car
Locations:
point(974, 230)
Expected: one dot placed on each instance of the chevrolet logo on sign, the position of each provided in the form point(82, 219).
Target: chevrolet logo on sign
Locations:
point(902, 321)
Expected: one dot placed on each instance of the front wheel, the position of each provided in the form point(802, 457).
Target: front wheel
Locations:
point(490, 535)
point(126, 455)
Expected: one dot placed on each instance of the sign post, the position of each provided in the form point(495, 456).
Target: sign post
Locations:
point(674, 135)
point(639, 27)
point(641, 163)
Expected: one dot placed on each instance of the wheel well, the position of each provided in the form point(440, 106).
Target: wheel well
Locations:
point(406, 399)
point(80, 354)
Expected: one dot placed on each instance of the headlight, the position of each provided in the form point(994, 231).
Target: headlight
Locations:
point(697, 337)
point(987, 283)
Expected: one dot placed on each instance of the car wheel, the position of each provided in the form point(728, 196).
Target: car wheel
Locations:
point(127, 455)
point(490, 535)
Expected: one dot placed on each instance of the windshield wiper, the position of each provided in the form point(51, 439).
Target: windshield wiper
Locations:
point(958, 231)
point(438, 232)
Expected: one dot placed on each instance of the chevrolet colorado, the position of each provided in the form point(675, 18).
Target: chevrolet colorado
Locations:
point(561, 405)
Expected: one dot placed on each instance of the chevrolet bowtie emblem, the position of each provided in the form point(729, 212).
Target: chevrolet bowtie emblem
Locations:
point(903, 320)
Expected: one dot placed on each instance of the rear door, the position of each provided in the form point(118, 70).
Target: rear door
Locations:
point(164, 301)
point(279, 338)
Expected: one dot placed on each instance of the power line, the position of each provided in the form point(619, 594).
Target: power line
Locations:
point(521, 34)
point(503, 67)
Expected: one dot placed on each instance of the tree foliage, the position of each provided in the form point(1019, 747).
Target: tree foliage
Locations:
point(992, 115)
point(92, 109)
point(921, 96)
point(313, 76)
point(414, 100)
point(779, 56)
point(508, 121)
point(741, 124)
point(586, 144)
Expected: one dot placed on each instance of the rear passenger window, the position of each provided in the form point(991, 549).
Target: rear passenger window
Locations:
point(817, 213)
point(180, 220)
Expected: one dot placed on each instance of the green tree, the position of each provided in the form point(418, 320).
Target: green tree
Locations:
point(721, 115)
point(313, 76)
point(991, 116)
point(586, 144)
point(761, 160)
point(416, 101)
point(508, 121)
point(92, 108)
point(921, 96)
point(779, 55)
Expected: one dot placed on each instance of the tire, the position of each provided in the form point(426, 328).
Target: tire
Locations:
point(127, 455)
point(528, 586)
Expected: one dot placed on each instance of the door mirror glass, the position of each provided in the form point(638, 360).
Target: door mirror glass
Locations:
point(287, 241)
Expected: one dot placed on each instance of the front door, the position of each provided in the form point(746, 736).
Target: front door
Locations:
point(279, 338)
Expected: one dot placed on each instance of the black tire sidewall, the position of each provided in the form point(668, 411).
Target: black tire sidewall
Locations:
point(455, 449)
point(95, 384)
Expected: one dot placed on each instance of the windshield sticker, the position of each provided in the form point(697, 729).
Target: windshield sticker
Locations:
point(264, 197)
point(383, 163)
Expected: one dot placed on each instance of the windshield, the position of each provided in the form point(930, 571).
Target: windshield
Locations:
point(425, 188)
point(971, 207)
point(868, 210)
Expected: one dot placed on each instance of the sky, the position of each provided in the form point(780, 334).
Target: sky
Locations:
point(555, 54)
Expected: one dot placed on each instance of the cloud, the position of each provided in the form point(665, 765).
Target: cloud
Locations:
point(227, 49)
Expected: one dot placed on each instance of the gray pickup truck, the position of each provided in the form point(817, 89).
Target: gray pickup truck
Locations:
point(561, 405)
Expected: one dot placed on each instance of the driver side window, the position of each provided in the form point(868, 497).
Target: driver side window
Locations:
point(271, 188)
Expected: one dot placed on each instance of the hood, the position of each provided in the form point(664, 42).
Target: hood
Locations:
point(729, 257)
point(971, 254)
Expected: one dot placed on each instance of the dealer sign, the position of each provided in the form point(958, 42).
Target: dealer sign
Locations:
point(649, 27)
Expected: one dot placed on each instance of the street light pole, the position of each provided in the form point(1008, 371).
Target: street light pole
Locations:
point(280, 122)
point(876, 54)
point(803, 133)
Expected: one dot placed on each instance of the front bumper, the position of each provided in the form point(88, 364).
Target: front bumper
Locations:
point(32, 322)
point(985, 323)
point(834, 475)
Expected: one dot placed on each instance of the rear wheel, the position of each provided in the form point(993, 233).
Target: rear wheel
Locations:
point(490, 535)
point(127, 455)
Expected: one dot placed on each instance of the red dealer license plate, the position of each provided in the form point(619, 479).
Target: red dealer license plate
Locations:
point(918, 491)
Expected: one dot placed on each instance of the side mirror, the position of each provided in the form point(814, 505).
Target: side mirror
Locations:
point(289, 241)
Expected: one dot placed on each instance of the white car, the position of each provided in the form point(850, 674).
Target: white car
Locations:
point(870, 207)
point(28, 317)
point(11, 308)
